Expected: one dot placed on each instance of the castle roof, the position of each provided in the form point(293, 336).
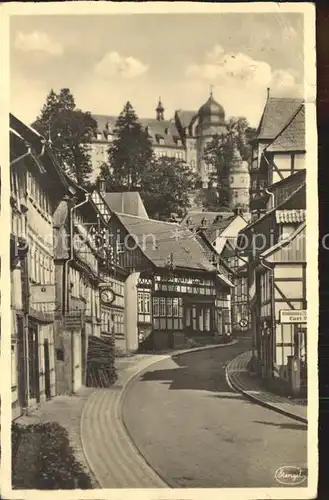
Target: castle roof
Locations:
point(211, 109)
point(157, 129)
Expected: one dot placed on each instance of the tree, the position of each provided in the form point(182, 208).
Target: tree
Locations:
point(129, 154)
point(70, 131)
point(219, 154)
point(166, 184)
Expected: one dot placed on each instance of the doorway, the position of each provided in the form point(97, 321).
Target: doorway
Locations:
point(47, 369)
point(33, 355)
point(198, 319)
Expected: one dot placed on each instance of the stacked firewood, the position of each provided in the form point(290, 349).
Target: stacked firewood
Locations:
point(101, 370)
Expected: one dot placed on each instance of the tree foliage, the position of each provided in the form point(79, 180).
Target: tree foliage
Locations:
point(70, 131)
point(164, 183)
point(219, 154)
point(166, 186)
point(129, 154)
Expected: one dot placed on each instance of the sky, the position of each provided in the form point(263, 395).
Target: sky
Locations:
point(106, 60)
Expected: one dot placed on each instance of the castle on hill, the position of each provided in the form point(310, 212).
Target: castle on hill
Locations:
point(184, 136)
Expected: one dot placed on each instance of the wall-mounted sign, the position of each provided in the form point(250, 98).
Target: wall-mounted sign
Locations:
point(107, 296)
point(293, 316)
point(42, 294)
point(73, 320)
point(243, 322)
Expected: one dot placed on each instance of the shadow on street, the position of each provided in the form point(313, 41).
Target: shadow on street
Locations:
point(290, 426)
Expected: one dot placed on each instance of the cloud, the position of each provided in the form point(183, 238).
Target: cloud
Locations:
point(27, 109)
point(221, 68)
point(112, 65)
point(37, 41)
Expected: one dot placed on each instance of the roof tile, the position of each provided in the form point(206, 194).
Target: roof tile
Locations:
point(290, 216)
point(159, 239)
point(277, 113)
point(292, 137)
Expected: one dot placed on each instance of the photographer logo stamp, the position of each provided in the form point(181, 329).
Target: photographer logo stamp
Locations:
point(291, 475)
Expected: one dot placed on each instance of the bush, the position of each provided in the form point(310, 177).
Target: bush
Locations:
point(54, 467)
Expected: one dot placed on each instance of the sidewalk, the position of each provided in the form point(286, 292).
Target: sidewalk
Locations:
point(97, 434)
point(109, 451)
point(238, 377)
point(66, 411)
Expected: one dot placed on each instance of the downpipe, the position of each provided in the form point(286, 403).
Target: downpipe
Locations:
point(271, 270)
point(20, 158)
point(66, 276)
point(71, 255)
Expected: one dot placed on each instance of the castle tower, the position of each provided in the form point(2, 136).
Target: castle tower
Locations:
point(160, 111)
point(239, 182)
point(211, 122)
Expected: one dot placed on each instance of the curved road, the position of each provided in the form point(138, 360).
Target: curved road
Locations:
point(196, 433)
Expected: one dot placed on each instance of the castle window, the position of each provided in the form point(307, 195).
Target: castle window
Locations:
point(242, 179)
point(192, 163)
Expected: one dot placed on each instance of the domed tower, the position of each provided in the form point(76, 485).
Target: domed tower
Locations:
point(211, 122)
point(239, 182)
point(160, 111)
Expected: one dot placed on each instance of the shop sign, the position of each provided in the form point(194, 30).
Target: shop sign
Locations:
point(73, 320)
point(293, 316)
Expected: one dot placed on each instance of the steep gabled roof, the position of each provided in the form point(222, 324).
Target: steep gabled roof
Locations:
point(292, 136)
point(218, 227)
point(277, 112)
point(158, 240)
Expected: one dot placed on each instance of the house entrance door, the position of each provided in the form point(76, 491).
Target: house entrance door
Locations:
point(47, 369)
point(33, 355)
point(198, 319)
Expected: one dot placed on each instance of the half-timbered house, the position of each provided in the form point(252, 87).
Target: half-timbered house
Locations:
point(278, 150)
point(173, 291)
point(83, 263)
point(274, 243)
point(37, 186)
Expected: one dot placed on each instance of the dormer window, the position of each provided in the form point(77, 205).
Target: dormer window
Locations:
point(179, 142)
point(161, 141)
point(99, 136)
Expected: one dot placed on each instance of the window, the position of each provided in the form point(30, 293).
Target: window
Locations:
point(167, 313)
point(144, 311)
point(192, 163)
point(162, 307)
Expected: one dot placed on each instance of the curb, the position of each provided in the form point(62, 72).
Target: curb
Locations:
point(254, 399)
point(123, 390)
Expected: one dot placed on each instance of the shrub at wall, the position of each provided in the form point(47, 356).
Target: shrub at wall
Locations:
point(43, 459)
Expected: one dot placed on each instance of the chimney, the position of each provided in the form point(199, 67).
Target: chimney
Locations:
point(268, 92)
point(102, 187)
